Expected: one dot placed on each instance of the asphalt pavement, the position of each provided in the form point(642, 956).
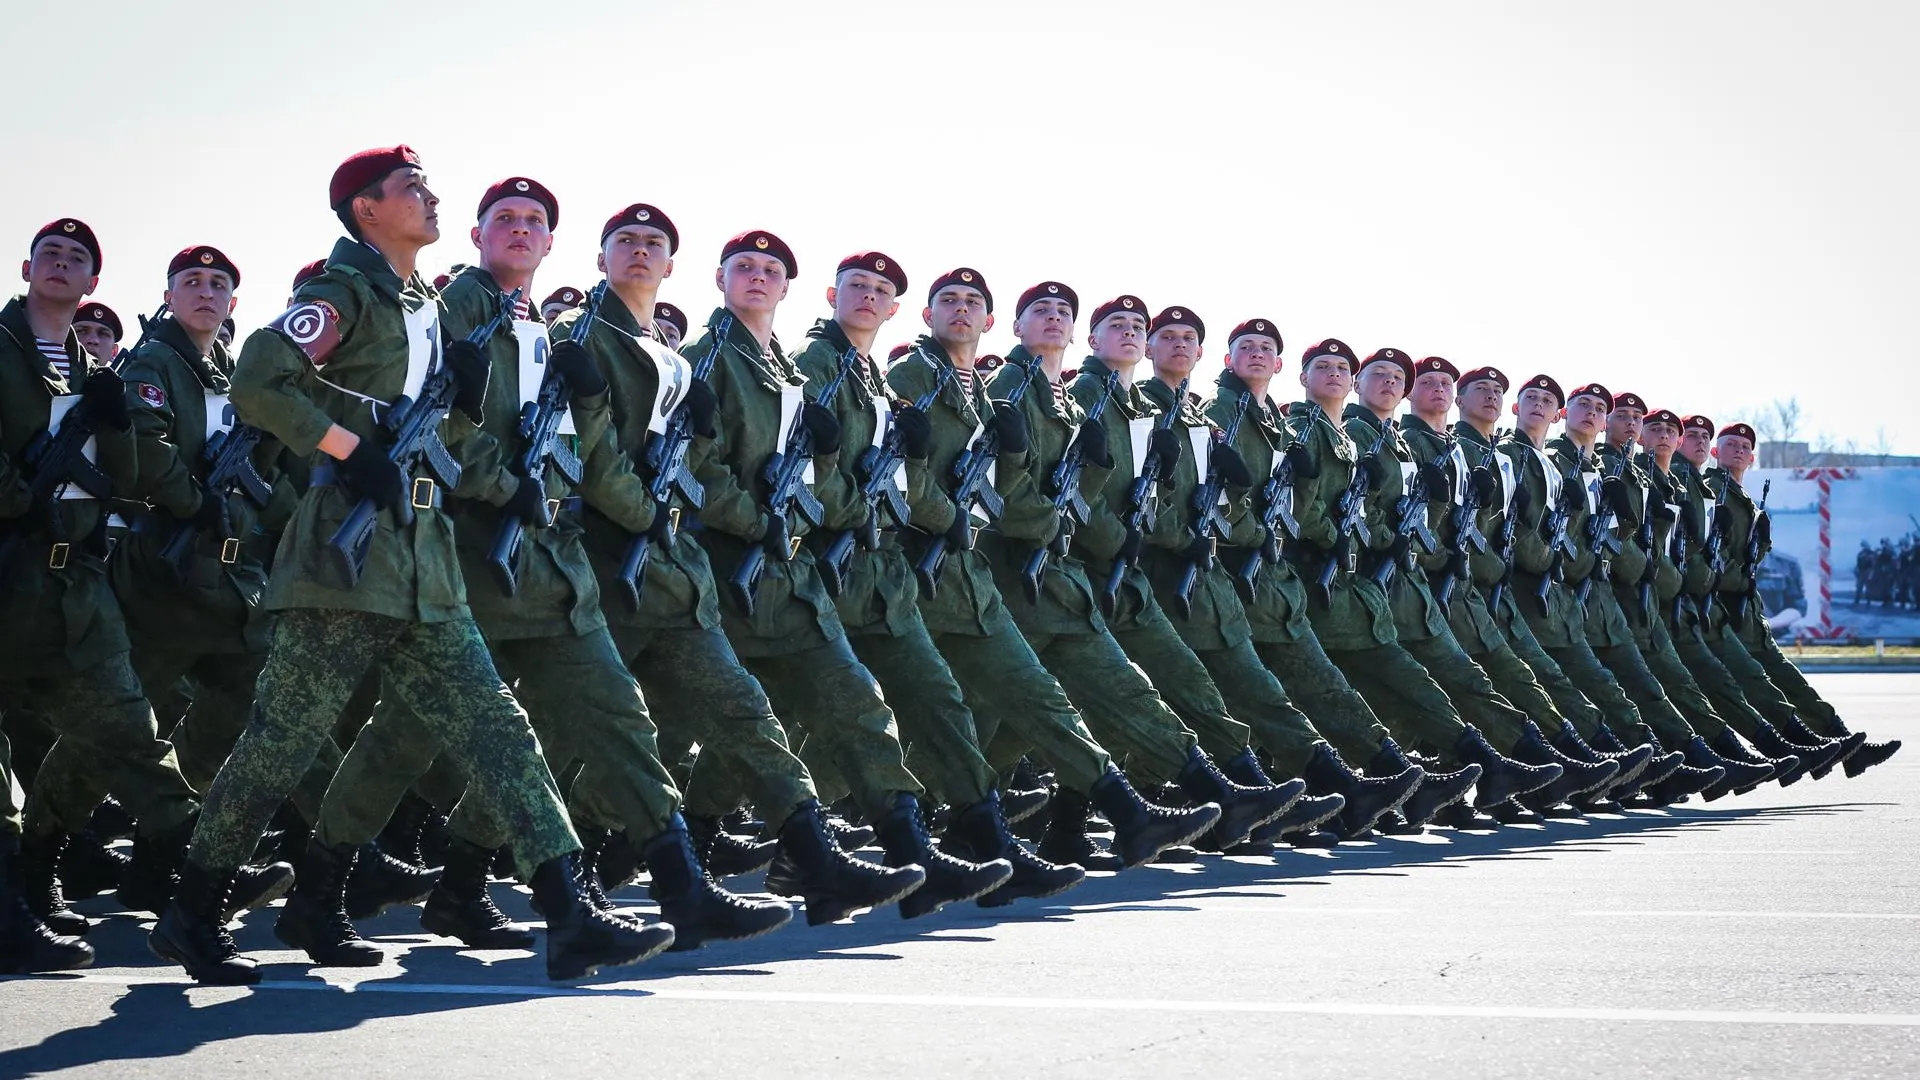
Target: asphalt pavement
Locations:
point(1775, 934)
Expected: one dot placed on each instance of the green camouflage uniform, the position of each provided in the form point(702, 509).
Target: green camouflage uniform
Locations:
point(793, 641)
point(1064, 624)
point(1276, 620)
point(548, 638)
point(63, 645)
point(407, 615)
point(1005, 684)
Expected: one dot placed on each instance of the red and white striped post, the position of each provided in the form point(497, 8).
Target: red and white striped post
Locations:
point(1825, 477)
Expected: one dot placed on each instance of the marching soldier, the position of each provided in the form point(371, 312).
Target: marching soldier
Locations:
point(366, 333)
point(563, 299)
point(671, 324)
point(99, 331)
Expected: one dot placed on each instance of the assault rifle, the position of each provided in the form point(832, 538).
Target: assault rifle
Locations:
point(1276, 516)
point(666, 459)
point(227, 466)
point(1508, 529)
point(1350, 519)
point(1600, 524)
point(1559, 544)
point(1139, 503)
point(971, 469)
point(1069, 505)
point(1410, 521)
point(1754, 554)
point(878, 464)
point(1209, 525)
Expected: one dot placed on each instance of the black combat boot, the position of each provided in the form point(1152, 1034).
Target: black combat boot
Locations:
point(380, 882)
point(111, 820)
point(89, 867)
point(581, 939)
point(1242, 808)
point(586, 870)
point(1513, 812)
point(620, 862)
point(1576, 776)
point(1737, 774)
point(403, 838)
point(1463, 815)
point(1501, 777)
point(1729, 745)
point(903, 833)
point(724, 854)
point(461, 906)
point(1306, 815)
point(1022, 803)
point(155, 870)
point(1632, 762)
point(850, 837)
point(695, 905)
point(1432, 790)
point(26, 944)
point(1367, 797)
point(980, 834)
point(40, 884)
point(192, 932)
point(1682, 782)
point(1870, 755)
point(315, 920)
point(1066, 839)
point(1142, 830)
point(1796, 730)
point(833, 883)
point(1769, 741)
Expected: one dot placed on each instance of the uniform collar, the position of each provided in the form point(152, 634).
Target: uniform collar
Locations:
point(13, 319)
point(372, 265)
point(209, 370)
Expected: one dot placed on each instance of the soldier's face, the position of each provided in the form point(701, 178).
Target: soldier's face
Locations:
point(636, 255)
point(1694, 444)
point(1662, 438)
point(1173, 350)
point(1327, 378)
point(957, 315)
point(1624, 423)
point(670, 334)
point(1382, 386)
point(1734, 452)
point(1586, 415)
point(407, 211)
point(1120, 338)
point(514, 236)
point(752, 282)
point(1482, 402)
point(862, 300)
point(97, 340)
point(552, 311)
point(1254, 357)
point(60, 270)
point(1536, 408)
point(1046, 324)
point(1433, 393)
point(201, 299)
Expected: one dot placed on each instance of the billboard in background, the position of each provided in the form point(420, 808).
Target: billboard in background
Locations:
point(1846, 552)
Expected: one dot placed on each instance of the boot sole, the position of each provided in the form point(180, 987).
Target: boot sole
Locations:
point(688, 944)
point(281, 887)
point(817, 909)
point(909, 909)
point(445, 926)
point(1180, 841)
point(162, 948)
point(573, 974)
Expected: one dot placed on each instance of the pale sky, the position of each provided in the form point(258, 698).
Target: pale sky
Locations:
point(1710, 204)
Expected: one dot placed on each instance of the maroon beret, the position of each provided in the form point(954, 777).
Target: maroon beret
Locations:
point(366, 168)
point(672, 316)
point(1592, 389)
point(899, 351)
point(642, 214)
point(520, 187)
point(1436, 363)
point(1696, 421)
point(1629, 400)
point(1124, 304)
point(1664, 416)
point(1263, 327)
point(1544, 382)
point(94, 311)
point(1047, 290)
point(878, 263)
point(1741, 430)
point(1487, 374)
point(1391, 356)
point(73, 229)
point(987, 363)
point(308, 272)
point(1328, 347)
point(565, 295)
point(962, 275)
point(441, 281)
point(762, 242)
point(1177, 316)
point(203, 257)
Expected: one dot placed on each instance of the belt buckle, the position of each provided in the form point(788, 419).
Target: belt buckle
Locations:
point(1353, 562)
point(57, 555)
point(230, 550)
point(420, 501)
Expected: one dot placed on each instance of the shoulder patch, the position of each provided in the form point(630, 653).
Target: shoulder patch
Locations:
point(152, 395)
point(314, 328)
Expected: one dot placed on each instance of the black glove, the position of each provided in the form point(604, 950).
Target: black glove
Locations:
point(1231, 466)
point(576, 366)
point(660, 529)
point(1302, 462)
point(776, 540)
point(1457, 565)
point(960, 531)
point(1092, 442)
point(1486, 486)
point(368, 474)
point(1376, 471)
point(211, 515)
point(1433, 480)
point(1130, 547)
point(1199, 551)
point(1663, 512)
point(702, 406)
point(916, 432)
point(1722, 519)
point(1763, 528)
point(103, 401)
point(1010, 426)
point(529, 503)
point(470, 370)
point(1164, 445)
point(1620, 497)
point(821, 424)
point(1573, 491)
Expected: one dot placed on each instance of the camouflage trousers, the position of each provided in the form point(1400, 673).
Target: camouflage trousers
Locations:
point(1468, 686)
point(1628, 668)
point(1586, 713)
point(585, 708)
point(105, 742)
point(1320, 688)
point(1402, 694)
point(927, 702)
point(1150, 640)
point(1745, 703)
point(439, 671)
point(1260, 700)
point(1683, 691)
point(1813, 709)
point(1018, 706)
point(1120, 705)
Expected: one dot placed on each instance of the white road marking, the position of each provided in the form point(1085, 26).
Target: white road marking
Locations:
point(965, 1001)
point(1748, 914)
